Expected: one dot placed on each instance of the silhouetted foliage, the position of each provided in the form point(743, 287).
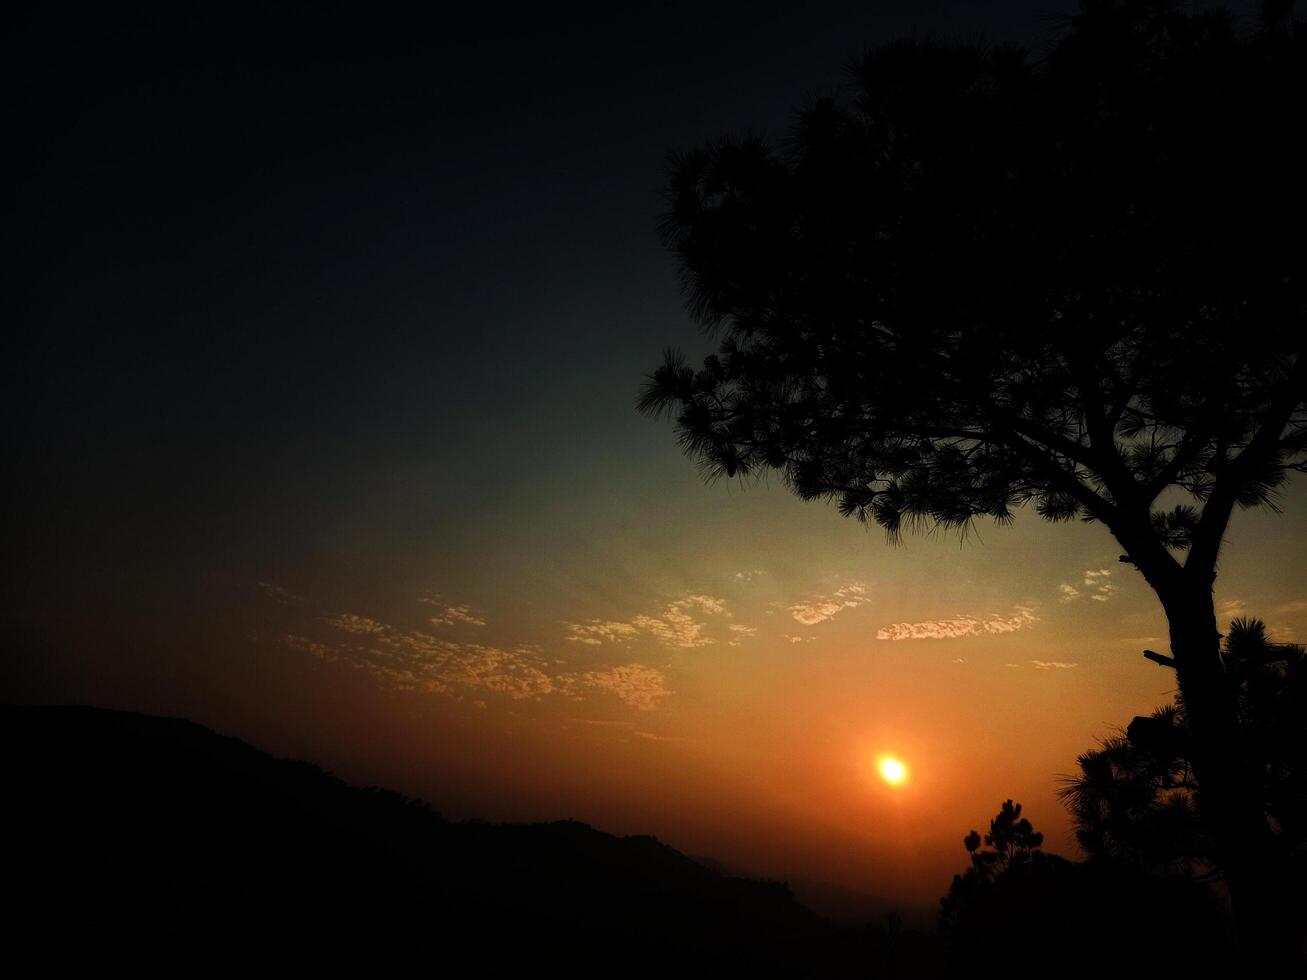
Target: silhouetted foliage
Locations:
point(1134, 799)
point(1012, 842)
point(981, 282)
point(1019, 911)
point(1012, 839)
point(1136, 806)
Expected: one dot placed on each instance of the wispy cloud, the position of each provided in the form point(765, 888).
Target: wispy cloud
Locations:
point(675, 626)
point(457, 614)
point(509, 673)
point(960, 626)
point(1098, 581)
point(1052, 665)
point(740, 632)
point(749, 575)
point(704, 603)
point(595, 632)
point(1231, 608)
point(410, 660)
point(415, 661)
point(821, 608)
point(448, 614)
point(1094, 583)
point(313, 648)
point(639, 686)
point(358, 625)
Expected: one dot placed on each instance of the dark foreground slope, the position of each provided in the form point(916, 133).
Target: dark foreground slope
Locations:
point(157, 842)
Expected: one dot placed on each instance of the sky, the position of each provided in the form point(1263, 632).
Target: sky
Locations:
point(321, 432)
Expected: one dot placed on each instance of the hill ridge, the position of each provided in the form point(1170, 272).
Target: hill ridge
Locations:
point(131, 818)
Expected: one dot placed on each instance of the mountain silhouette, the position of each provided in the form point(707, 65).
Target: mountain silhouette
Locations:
point(155, 842)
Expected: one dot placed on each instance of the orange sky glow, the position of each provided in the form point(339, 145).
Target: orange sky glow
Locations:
point(723, 669)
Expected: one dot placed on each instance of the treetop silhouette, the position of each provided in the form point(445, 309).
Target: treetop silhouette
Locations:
point(984, 281)
point(981, 283)
point(1011, 838)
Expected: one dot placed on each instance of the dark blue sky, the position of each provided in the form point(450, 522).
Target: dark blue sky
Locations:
point(268, 250)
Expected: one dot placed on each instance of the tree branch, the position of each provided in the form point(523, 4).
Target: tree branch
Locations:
point(1207, 536)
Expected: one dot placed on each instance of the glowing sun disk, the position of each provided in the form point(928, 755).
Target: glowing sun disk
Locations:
point(892, 770)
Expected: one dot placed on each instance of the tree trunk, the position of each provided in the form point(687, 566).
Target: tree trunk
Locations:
point(1230, 793)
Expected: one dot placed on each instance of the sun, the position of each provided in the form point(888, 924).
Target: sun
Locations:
point(892, 770)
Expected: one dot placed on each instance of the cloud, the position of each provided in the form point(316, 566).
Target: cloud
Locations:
point(504, 672)
point(359, 625)
point(449, 615)
point(705, 603)
point(638, 686)
point(960, 626)
point(415, 661)
point(1052, 665)
point(674, 626)
point(597, 631)
point(1231, 609)
point(957, 660)
point(1094, 583)
point(457, 614)
point(740, 632)
point(404, 661)
point(409, 660)
point(749, 575)
point(821, 608)
point(794, 639)
point(312, 647)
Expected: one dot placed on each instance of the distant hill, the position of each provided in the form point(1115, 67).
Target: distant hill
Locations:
point(850, 907)
point(156, 842)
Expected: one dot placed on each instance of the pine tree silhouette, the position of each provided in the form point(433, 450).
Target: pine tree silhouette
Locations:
point(983, 282)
